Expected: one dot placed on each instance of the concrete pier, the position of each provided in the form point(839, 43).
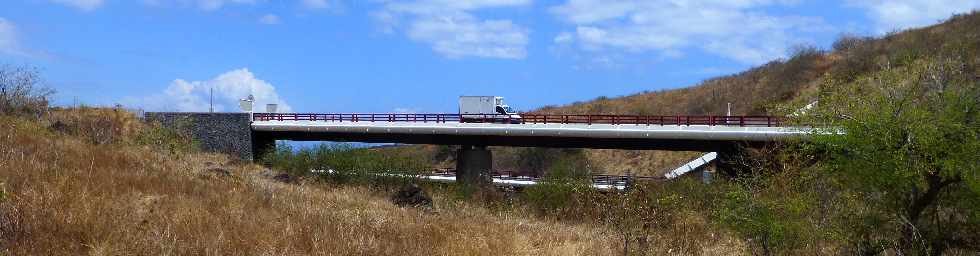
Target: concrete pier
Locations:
point(474, 165)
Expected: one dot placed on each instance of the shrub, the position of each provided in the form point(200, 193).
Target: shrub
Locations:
point(564, 183)
point(848, 42)
point(542, 161)
point(165, 139)
point(20, 92)
point(97, 125)
point(343, 163)
point(908, 151)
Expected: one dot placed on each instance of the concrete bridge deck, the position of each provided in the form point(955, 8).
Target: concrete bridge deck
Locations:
point(229, 132)
point(696, 133)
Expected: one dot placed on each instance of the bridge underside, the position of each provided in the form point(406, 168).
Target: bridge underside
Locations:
point(512, 141)
point(248, 138)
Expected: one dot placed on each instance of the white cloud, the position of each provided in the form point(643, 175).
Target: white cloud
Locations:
point(315, 4)
point(406, 110)
point(210, 5)
point(564, 38)
point(85, 5)
point(889, 15)
point(9, 43)
point(269, 19)
point(228, 88)
point(207, 5)
point(452, 30)
point(217, 4)
point(738, 30)
point(8, 38)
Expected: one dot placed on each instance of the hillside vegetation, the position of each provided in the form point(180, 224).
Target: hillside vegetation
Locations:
point(99, 181)
point(776, 88)
point(899, 177)
point(67, 193)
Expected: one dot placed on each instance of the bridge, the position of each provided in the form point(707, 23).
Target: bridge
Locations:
point(473, 133)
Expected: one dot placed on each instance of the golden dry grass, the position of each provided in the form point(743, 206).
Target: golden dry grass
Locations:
point(638, 162)
point(68, 196)
point(98, 125)
point(602, 161)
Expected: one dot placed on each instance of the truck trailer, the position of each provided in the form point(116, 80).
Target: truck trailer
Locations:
point(486, 109)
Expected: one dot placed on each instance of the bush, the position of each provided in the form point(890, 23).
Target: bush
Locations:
point(772, 224)
point(564, 183)
point(908, 152)
point(542, 161)
point(343, 163)
point(793, 74)
point(848, 42)
point(165, 139)
point(97, 125)
point(20, 92)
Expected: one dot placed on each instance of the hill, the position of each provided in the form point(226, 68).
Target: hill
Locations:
point(100, 182)
point(775, 88)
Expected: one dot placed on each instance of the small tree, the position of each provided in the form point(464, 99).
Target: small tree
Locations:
point(20, 92)
point(909, 148)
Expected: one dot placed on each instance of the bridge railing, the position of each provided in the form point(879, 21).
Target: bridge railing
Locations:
point(763, 121)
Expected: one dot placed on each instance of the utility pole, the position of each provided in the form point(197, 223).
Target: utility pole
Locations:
point(211, 109)
point(729, 113)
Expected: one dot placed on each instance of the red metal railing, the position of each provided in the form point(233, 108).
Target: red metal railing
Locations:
point(764, 121)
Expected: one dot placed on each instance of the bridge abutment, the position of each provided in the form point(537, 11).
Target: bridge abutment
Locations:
point(229, 133)
point(474, 165)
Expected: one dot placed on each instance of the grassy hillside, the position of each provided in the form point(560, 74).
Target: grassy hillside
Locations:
point(776, 88)
point(98, 182)
point(771, 89)
point(759, 90)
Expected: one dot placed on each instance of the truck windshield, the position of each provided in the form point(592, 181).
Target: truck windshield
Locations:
point(501, 110)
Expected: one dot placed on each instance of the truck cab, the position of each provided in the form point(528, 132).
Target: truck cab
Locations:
point(476, 109)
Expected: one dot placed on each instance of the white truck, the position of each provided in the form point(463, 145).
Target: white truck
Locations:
point(486, 109)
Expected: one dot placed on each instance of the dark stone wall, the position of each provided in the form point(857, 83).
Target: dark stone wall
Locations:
point(229, 133)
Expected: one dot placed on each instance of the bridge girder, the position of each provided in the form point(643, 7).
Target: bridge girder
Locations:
point(513, 141)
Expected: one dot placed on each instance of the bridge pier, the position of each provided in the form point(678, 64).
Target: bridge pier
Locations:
point(709, 172)
point(261, 145)
point(474, 165)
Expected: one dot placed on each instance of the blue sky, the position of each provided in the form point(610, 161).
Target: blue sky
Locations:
point(415, 56)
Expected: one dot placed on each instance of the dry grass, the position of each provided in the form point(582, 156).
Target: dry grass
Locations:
point(761, 90)
point(602, 161)
point(638, 162)
point(98, 125)
point(66, 195)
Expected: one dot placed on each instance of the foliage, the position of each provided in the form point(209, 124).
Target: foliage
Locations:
point(166, 139)
point(773, 224)
point(564, 183)
point(905, 143)
point(343, 163)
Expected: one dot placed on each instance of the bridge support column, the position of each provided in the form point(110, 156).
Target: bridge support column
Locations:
point(709, 172)
point(732, 162)
point(473, 165)
point(262, 145)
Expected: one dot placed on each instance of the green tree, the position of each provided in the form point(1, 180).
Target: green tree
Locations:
point(905, 142)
